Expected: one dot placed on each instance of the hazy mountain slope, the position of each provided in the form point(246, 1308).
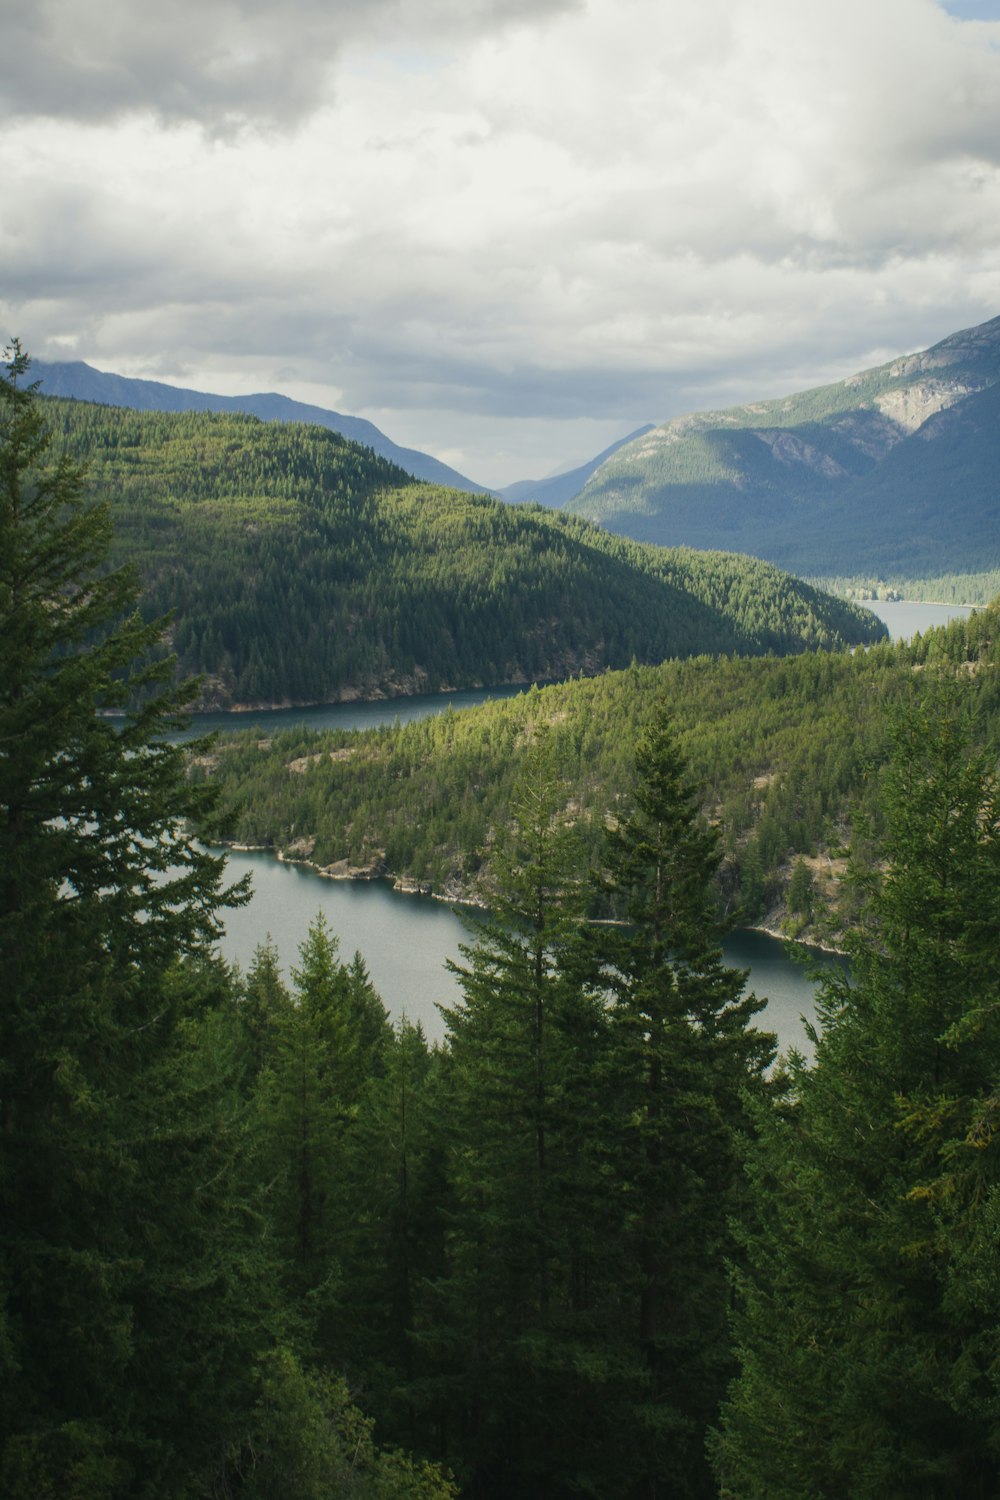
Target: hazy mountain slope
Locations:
point(559, 488)
point(83, 383)
point(302, 568)
point(895, 468)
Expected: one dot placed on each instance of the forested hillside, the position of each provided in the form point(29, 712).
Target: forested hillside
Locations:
point(255, 1244)
point(889, 474)
point(781, 748)
point(81, 382)
point(300, 568)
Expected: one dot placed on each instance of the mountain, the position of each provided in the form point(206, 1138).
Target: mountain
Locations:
point(890, 473)
point(302, 568)
point(559, 488)
point(81, 382)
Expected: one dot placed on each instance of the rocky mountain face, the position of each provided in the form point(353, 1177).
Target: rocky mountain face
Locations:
point(893, 471)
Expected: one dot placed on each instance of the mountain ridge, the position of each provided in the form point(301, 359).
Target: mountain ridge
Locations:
point(556, 489)
point(801, 480)
point(78, 381)
point(299, 567)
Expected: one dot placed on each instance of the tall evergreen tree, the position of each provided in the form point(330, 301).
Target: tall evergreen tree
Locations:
point(117, 1134)
point(868, 1320)
point(501, 1319)
point(140, 1351)
point(683, 1056)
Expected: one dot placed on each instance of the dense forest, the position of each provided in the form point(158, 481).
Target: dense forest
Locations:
point(301, 568)
point(256, 1244)
point(780, 747)
point(81, 382)
point(946, 588)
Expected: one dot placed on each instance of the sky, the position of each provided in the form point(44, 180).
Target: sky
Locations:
point(506, 231)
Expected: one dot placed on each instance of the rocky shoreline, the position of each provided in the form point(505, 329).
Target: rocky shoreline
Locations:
point(456, 894)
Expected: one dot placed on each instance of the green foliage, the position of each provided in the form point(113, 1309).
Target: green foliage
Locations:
point(779, 747)
point(298, 568)
point(592, 1086)
point(314, 1443)
point(801, 895)
point(867, 1320)
point(510, 1335)
point(946, 588)
point(111, 1109)
point(147, 1346)
point(251, 1237)
point(683, 1060)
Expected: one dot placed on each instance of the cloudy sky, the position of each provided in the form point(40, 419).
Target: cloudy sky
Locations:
point(506, 231)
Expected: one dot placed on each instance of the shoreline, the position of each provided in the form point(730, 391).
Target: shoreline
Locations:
point(407, 886)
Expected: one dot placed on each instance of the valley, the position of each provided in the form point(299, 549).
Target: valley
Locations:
point(782, 748)
point(889, 475)
point(299, 568)
point(411, 1252)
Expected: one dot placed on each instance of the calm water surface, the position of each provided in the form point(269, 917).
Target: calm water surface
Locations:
point(906, 617)
point(345, 715)
point(407, 940)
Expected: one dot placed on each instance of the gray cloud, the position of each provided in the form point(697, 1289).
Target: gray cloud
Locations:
point(499, 226)
point(222, 63)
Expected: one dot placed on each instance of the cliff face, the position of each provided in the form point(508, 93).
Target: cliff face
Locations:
point(892, 470)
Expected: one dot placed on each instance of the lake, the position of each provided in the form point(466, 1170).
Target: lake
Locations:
point(906, 617)
point(344, 715)
point(407, 940)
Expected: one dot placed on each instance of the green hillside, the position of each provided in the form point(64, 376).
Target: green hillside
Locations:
point(782, 747)
point(301, 568)
point(81, 382)
point(890, 473)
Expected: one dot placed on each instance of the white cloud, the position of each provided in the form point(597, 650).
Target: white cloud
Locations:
point(488, 216)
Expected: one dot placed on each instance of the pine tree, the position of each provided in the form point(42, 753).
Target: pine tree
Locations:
point(683, 1057)
point(867, 1320)
point(264, 1006)
point(501, 1320)
point(118, 1131)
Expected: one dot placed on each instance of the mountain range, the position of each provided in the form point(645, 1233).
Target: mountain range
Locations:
point(560, 488)
point(889, 474)
point(299, 567)
point(81, 382)
point(892, 472)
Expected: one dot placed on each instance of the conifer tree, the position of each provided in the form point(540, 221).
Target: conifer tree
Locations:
point(515, 1210)
point(264, 1006)
point(117, 1132)
point(683, 1056)
point(867, 1319)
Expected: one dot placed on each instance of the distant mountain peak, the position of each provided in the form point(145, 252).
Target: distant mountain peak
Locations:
point(561, 486)
point(891, 472)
